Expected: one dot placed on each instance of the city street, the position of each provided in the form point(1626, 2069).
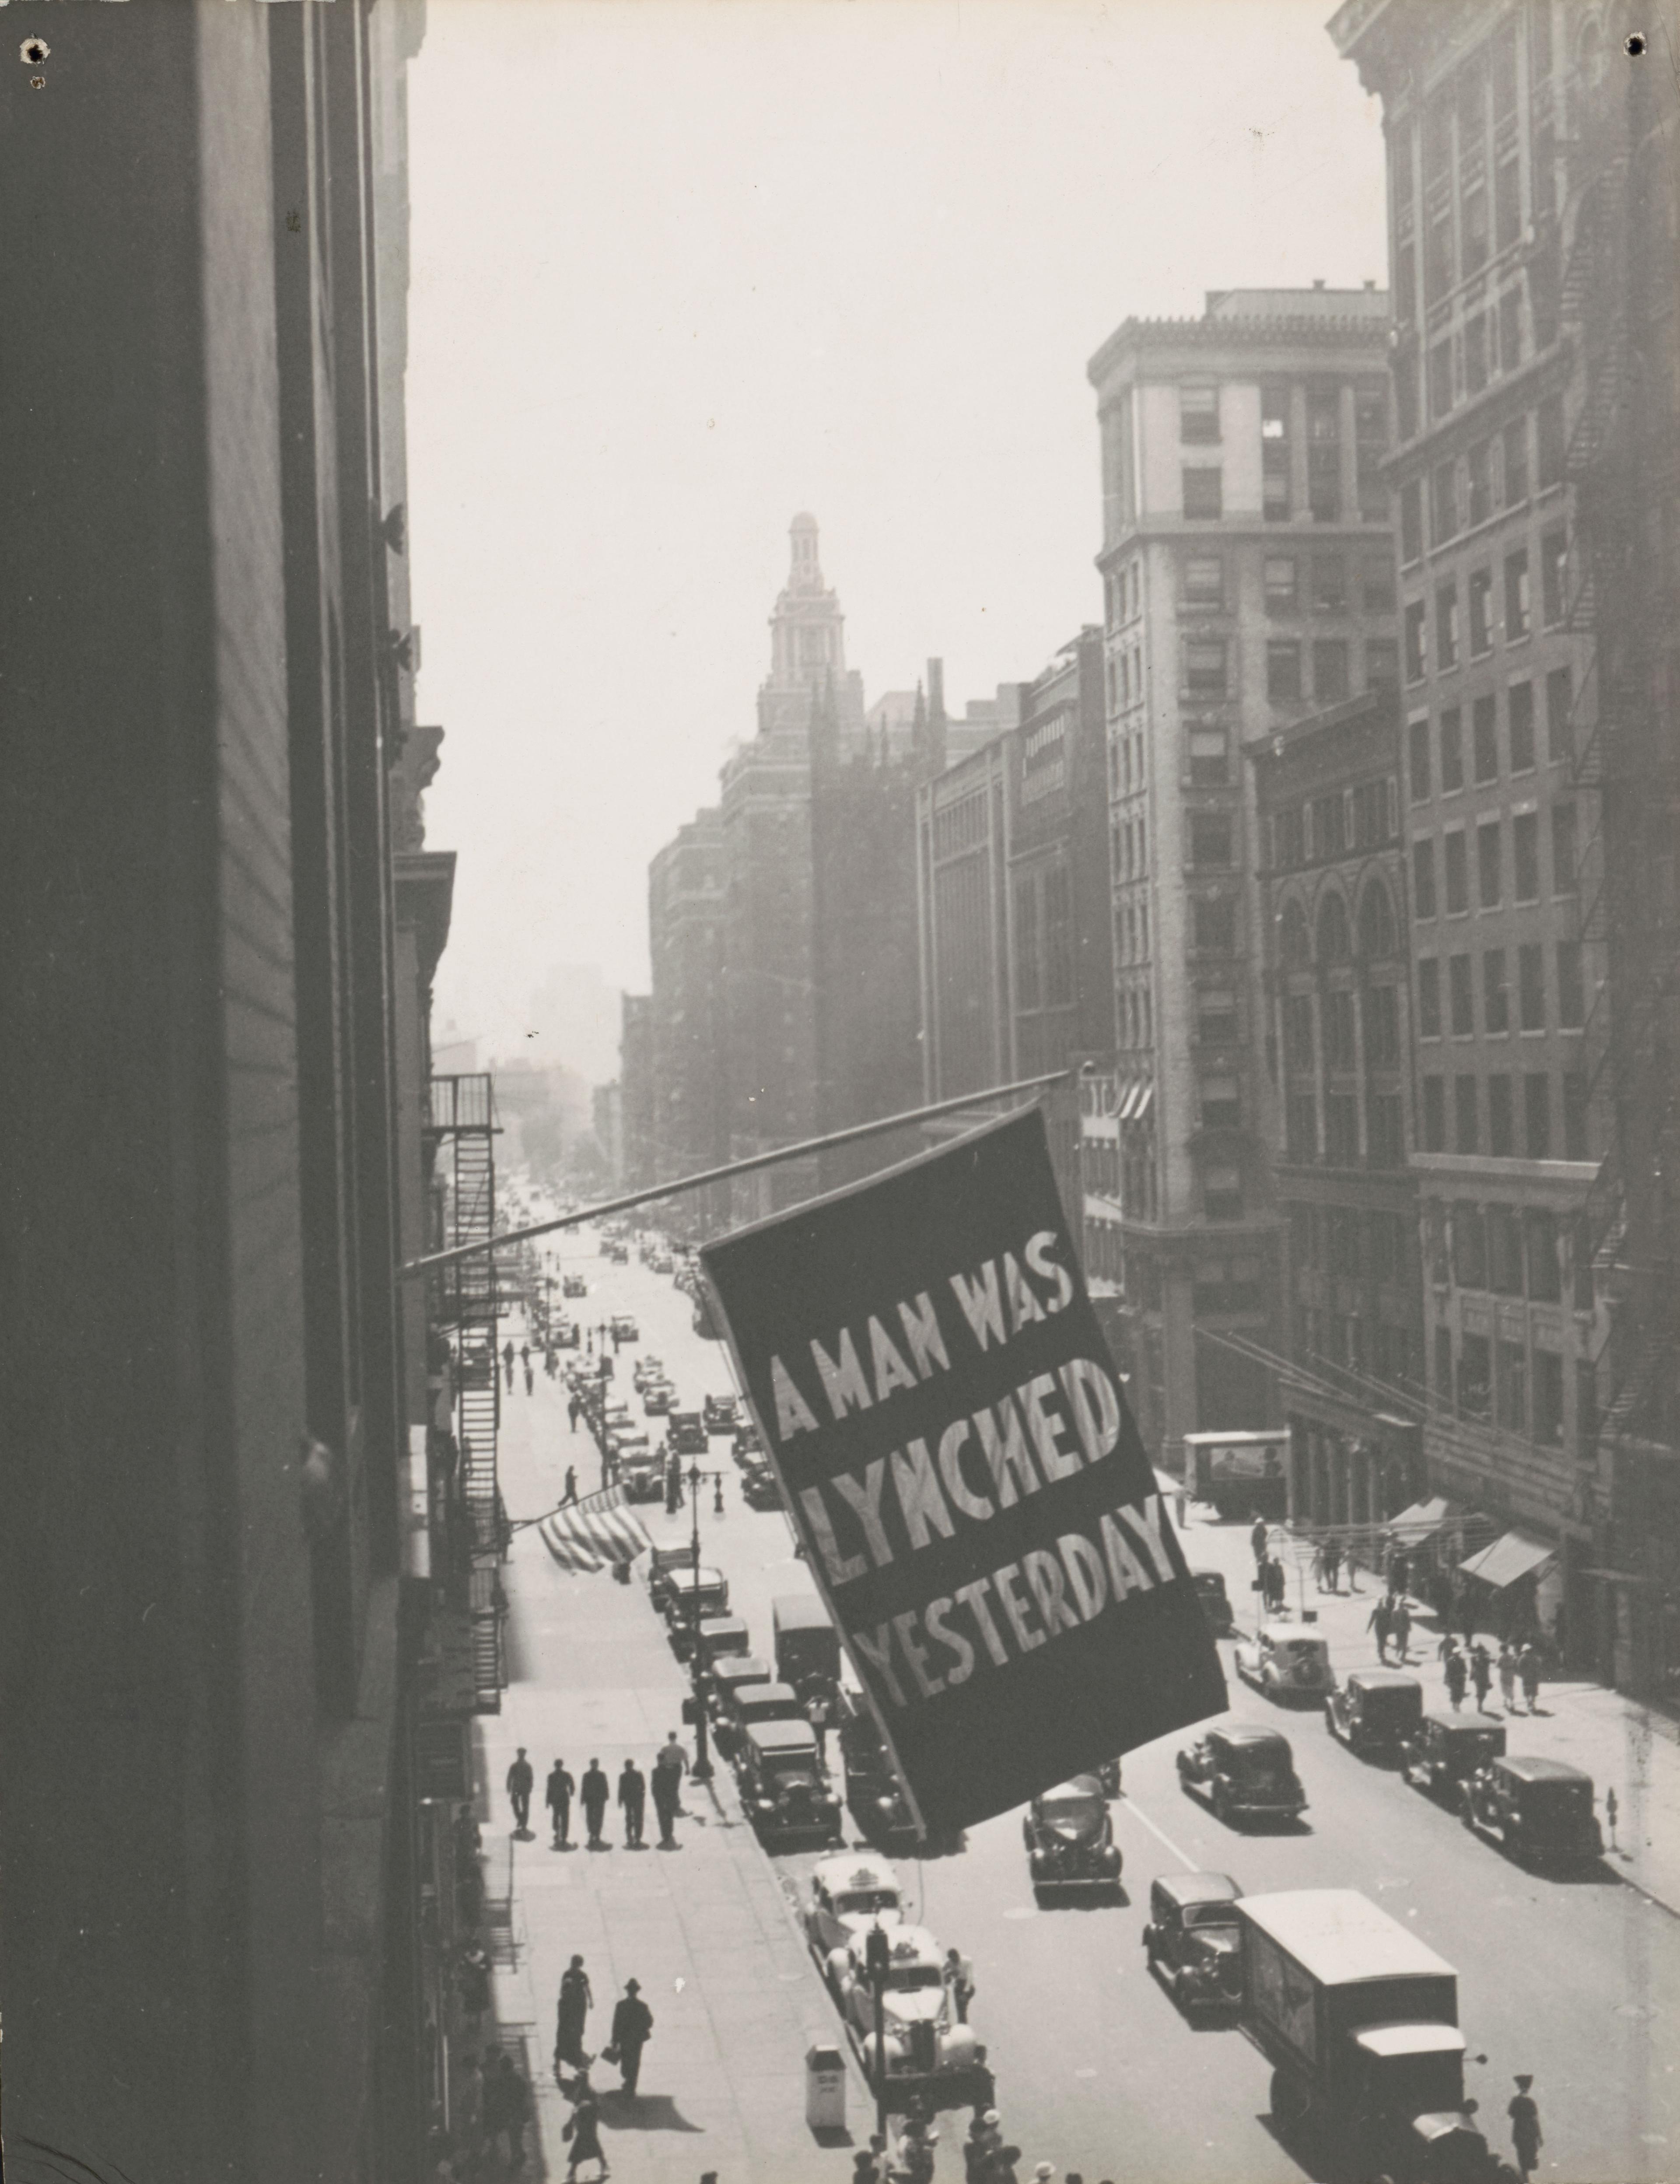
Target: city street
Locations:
point(1573, 1981)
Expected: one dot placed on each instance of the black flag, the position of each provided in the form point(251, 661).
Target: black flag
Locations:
point(932, 1382)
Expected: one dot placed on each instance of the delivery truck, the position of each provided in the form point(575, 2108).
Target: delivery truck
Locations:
point(1359, 2021)
point(1242, 1475)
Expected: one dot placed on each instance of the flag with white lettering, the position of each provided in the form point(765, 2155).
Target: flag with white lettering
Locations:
point(932, 1383)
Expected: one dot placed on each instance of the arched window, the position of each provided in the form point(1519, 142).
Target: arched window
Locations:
point(1376, 923)
point(1333, 930)
point(1296, 947)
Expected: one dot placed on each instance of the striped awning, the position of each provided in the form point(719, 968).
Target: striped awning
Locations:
point(594, 1534)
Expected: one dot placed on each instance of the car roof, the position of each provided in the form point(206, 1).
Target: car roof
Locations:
point(1338, 1935)
point(1183, 1888)
point(910, 1943)
point(740, 1668)
point(1453, 1724)
point(1252, 1734)
point(839, 1875)
point(782, 1693)
point(799, 1611)
point(1077, 1790)
point(1297, 1641)
point(1541, 1770)
point(711, 1625)
point(706, 1575)
point(1382, 1679)
point(1385, 2040)
point(782, 1735)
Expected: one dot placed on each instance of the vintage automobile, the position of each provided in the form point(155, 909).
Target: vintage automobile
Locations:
point(807, 1645)
point(849, 1895)
point(619, 1254)
point(1192, 1942)
point(1445, 1749)
point(657, 1398)
point(624, 1328)
point(1540, 1811)
point(765, 1702)
point(660, 1262)
point(688, 1433)
point(566, 1333)
point(692, 1596)
point(1069, 1837)
point(732, 1673)
point(922, 2036)
point(746, 1442)
point(662, 1564)
point(647, 1369)
point(574, 1285)
point(785, 1790)
point(641, 1473)
point(1287, 1666)
point(760, 1489)
point(719, 1635)
point(874, 1795)
point(1243, 1772)
point(720, 1413)
point(1215, 1601)
point(1375, 1712)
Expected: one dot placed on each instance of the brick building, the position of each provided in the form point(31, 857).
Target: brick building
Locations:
point(690, 1121)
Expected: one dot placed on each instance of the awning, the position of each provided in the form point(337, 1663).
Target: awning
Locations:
point(1129, 1100)
point(1512, 1555)
point(1145, 1099)
point(1422, 1521)
point(594, 1533)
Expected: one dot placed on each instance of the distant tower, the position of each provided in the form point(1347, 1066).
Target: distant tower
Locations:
point(808, 638)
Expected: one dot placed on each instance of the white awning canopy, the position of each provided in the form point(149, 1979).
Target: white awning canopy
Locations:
point(1512, 1555)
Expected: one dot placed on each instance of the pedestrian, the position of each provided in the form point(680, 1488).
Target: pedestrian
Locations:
point(983, 2139)
point(582, 2131)
point(1333, 1564)
point(1528, 1674)
point(571, 1494)
point(1257, 1540)
point(1001, 2169)
point(466, 2109)
point(520, 1783)
point(1609, 1815)
point(1043, 2172)
point(473, 1983)
point(866, 2168)
point(1526, 2136)
point(632, 1796)
point(1381, 1620)
point(577, 2000)
point(558, 1798)
point(1399, 1629)
point(668, 1770)
point(1480, 1675)
point(530, 1377)
point(574, 1411)
point(1456, 1675)
point(958, 1974)
point(1508, 1675)
point(507, 1361)
point(816, 1713)
point(1274, 1585)
point(632, 2026)
point(508, 2108)
point(594, 1794)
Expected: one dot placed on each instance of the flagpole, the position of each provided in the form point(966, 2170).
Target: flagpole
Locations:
point(847, 1137)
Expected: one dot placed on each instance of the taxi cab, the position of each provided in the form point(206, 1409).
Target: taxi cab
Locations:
point(784, 1786)
point(923, 2038)
point(1068, 1835)
point(1445, 1749)
point(848, 1896)
point(1245, 1772)
point(1377, 1710)
point(1194, 1940)
point(1540, 1811)
point(1289, 1666)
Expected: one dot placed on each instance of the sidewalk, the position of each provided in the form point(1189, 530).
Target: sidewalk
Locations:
point(735, 1995)
point(1622, 1745)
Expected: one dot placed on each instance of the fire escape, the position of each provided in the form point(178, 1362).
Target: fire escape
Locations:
point(462, 1126)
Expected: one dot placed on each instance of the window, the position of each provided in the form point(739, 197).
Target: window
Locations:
point(1549, 426)
point(1542, 295)
point(1507, 204)
point(1341, 1129)
point(1339, 1029)
point(1416, 614)
point(1446, 627)
point(1209, 839)
point(1481, 612)
point(1222, 1194)
point(1274, 453)
point(1332, 929)
point(1221, 1106)
point(1428, 997)
point(1203, 494)
point(1488, 864)
point(1303, 1126)
point(1382, 1026)
point(1423, 877)
point(1441, 355)
point(1058, 937)
point(1376, 920)
point(1495, 992)
point(1434, 1115)
point(1469, 1246)
point(1525, 856)
point(1501, 1140)
point(1464, 1114)
point(1564, 881)
point(1329, 583)
point(1198, 414)
point(1279, 578)
point(1516, 595)
point(1215, 1018)
point(1204, 667)
point(1411, 522)
point(1209, 759)
point(1510, 327)
point(1513, 1386)
point(1203, 580)
point(1480, 467)
point(1545, 1265)
point(1405, 363)
point(1297, 1037)
point(1475, 1379)
point(1530, 987)
point(1215, 925)
point(1418, 761)
point(1376, 583)
point(1505, 1251)
point(1547, 1399)
point(1324, 453)
point(1554, 576)
point(1444, 1363)
point(1289, 839)
point(1515, 442)
point(1388, 1130)
point(1559, 701)
point(1028, 990)
point(1452, 752)
point(1574, 1116)
point(1330, 670)
point(1381, 663)
point(1458, 874)
point(1459, 994)
point(1520, 712)
point(1537, 1116)
point(1443, 501)
point(1475, 329)
point(1484, 741)
point(1283, 671)
point(1296, 943)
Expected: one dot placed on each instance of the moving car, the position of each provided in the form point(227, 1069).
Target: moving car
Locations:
point(1192, 1942)
point(1287, 1666)
point(1445, 1750)
point(1540, 1811)
point(647, 1369)
point(1245, 1772)
point(922, 2036)
point(760, 1489)
point(574, 1285)
point(1069, 1835)
point(641, 1473)
point(849, 1895)
point(721, 1413)
point(807, 1644)
point(1215, 1601)
point(688, 1433)
point(1242, 1475)
point(618, 1253)
point(566, 1333)
point(785, 1789)
point(874, 1795)
point(660, 1262)
point(624, 1328)
point(1377, 1710)
point(657, 1398)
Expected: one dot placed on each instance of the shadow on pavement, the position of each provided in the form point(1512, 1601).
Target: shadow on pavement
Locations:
point(646, 2112)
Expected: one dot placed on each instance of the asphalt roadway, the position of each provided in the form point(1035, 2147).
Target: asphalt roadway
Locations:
point(1576, 1981)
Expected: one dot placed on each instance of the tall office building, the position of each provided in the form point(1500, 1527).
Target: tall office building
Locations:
point(1248, 579)
point(690, 1125)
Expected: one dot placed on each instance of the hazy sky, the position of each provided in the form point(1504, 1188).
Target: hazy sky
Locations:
point(682, 267)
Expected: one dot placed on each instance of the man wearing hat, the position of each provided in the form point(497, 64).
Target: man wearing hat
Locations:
point(632, 2023)
point(1525, 2128)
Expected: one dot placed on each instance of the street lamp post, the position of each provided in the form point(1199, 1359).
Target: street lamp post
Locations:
point(877, 1956)
point(702, 1768)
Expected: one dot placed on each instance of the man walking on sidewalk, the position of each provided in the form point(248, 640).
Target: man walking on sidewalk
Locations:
point(575, 2000)
point(557, 1797)
point(668, 1770)
point(1526, 2134)
point(571, 1494)
point(593, 1795)
point(520, 1783)
point(959, 1977)
point(1399, 1629)
point(1381, 1620)
point(632, 1795)
point(632, 2024)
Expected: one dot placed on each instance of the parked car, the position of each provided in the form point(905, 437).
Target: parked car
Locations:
point(1215, 1601)
point(574, 1285)
point(660, 1262)
point(1245, 1772)
point(1289, 1666)
point(624, 1328)
point(663, 1563)
point(1540, 1811)
point(1377, 1711)
point(807, 1644)
point(688, 1433)
point(765, 1702)
point(646, 1370)
point(746, 1442)
point(719, 1635)
point(692, 1596)
point(874, 1794)
point(785, 1788)
point(760, 1488)
point(1192, 1942)
point(1068, 1835)
point(641, 1473)
point(657, 1398)
point(732, 1673)
point(1445, 1750)
point(720, 1413)
point(849, 1895)
point(922, 2036)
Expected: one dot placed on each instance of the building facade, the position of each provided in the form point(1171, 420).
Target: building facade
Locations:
point(638, 1094)
point(1507, 145)
point(685, 932)
point(1248, 580)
